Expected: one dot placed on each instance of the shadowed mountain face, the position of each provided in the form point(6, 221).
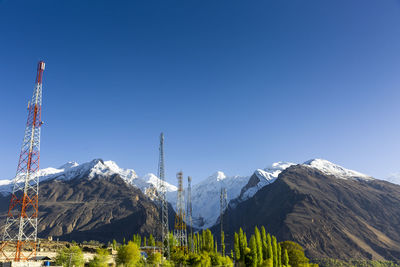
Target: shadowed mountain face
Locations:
point(329, 217)
point(101, 209)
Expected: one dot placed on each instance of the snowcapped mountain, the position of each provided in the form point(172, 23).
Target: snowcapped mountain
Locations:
point(262, 178)
point(205, 195)
point(92, 169)
point(330, 168)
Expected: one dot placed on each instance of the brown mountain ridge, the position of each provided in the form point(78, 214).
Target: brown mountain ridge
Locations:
point(329, 217)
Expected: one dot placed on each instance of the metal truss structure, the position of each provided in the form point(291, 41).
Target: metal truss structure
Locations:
point(163, 200)
point(20, 232)
point(223, 206)
point(189, 212)
point(180, 225)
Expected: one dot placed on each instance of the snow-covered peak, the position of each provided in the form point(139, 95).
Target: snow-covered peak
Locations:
point(206, 197)
point(217, 176)
point(90, 170)
point(152, 179)
point(330, 168)
point(265, 177)
point(68, 165)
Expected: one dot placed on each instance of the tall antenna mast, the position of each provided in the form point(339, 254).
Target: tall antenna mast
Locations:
point(180, 225)
point(163, 200)
point(189, 212)
point(20, 231)
point(223, 205)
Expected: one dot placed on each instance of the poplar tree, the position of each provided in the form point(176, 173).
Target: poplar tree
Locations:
point(279, 255)
point(269, 247)
point(285, 258)
point(152, 242)
point(236, 247)
point(241, 244)
point(223, 243)
point(274, 251)
point(259, 245)
point(253, 251)
point(144, 241)
point(195, 244)
point(264, 243)
point(208, 241)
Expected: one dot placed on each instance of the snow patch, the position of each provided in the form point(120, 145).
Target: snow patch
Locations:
point(330, 168)
point(90, 170)
point(266, 176)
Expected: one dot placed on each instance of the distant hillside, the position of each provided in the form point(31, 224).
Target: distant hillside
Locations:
point(101, 209)
point(330, 216)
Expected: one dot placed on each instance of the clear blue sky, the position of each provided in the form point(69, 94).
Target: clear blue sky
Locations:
point(234, 85)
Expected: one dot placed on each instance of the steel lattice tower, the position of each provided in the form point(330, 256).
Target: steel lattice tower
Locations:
point(163, 200)
point(189, 211)
point(180, 225)
point(20, 231)
point(223, 205)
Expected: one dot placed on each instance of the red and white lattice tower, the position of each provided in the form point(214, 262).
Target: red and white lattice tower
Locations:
point(20, 231)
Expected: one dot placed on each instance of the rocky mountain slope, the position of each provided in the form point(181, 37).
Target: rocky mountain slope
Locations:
point(331, 211)
point(205, 195)
point(93, 206)
point(95, 168)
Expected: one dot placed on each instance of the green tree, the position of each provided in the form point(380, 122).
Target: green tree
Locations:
point(154, 258)
point(128, 255)
point(144, 241)
point(269, 247)
point(172, 242)
point(223, 243)
point(279, 255)
point(137, 239)
point(264, 243)
point(295, 253)
point(101, 259)
point(114, 244)
point(236, 247)
point(241, 244)
point(70, 256)
point(274, 251)
point(152, 242)
point(245, 240)
point(201, 259)
point(218, 260)
point(259, 245)
point(253, 249)
point(208, 241)
point(285, 258)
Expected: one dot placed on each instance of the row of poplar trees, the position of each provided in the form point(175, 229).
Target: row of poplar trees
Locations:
point(264, 250)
